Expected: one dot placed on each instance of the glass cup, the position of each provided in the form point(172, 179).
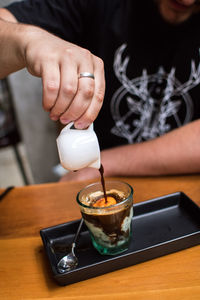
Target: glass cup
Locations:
point(109, 227)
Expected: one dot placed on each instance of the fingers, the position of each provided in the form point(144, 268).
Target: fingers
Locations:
point(84, 93)
point(67, 91)
point(97, 100)
point(51, 85)
point(80, 103)
point(68, 97)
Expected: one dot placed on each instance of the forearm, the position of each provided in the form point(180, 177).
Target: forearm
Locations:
point(11, 41)
point(177, 152)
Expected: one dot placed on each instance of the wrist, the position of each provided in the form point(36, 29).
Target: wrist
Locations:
point(25, 34)
point(11, 35)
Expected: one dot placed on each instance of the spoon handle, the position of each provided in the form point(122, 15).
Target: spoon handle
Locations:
point(78, 231)
point(76, 236)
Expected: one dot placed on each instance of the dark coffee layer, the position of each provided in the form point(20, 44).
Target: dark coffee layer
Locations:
point(110, 224)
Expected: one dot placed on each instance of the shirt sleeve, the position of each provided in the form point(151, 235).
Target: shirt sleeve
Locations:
point(63, 18)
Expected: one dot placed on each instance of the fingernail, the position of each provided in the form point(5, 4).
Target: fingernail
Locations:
point(64, 121)
point(81, 125)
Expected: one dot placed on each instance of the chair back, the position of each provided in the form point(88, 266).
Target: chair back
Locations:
point(9, 132)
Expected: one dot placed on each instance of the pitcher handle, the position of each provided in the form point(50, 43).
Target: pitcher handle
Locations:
point(71, 124)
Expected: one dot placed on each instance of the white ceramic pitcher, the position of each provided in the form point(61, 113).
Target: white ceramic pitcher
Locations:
point(78, 148)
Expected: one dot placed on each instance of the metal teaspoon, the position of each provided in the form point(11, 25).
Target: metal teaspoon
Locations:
point(70, 261)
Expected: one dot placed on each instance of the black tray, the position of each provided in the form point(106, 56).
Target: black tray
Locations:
point(160, 226)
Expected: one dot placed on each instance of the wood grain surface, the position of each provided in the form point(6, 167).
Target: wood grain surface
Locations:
point(24, 268)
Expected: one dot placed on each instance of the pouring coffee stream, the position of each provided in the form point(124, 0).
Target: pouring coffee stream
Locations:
point(101, 170)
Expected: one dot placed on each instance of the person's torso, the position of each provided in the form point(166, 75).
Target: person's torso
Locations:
point(152, 68)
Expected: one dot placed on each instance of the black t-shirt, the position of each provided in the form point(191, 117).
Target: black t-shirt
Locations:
point(152, 68)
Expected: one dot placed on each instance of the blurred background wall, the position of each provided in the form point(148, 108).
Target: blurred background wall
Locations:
point(37, 130)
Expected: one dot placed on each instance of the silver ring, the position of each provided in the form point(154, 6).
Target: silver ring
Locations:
point(86, 75)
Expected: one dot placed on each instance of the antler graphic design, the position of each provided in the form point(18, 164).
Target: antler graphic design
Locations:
point(153, 112)
point(193, 81)
point(120, 71)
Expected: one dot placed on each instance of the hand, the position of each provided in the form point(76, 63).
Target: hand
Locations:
point(59, 64)
point(81, 175)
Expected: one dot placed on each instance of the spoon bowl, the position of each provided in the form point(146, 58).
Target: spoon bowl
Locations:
point(69, 262)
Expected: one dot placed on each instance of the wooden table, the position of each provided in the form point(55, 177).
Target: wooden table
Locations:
point(24, 268)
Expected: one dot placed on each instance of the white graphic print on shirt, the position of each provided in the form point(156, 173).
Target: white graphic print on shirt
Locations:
point(152, 101)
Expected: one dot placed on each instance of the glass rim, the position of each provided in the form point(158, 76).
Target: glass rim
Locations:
point(105, 207)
